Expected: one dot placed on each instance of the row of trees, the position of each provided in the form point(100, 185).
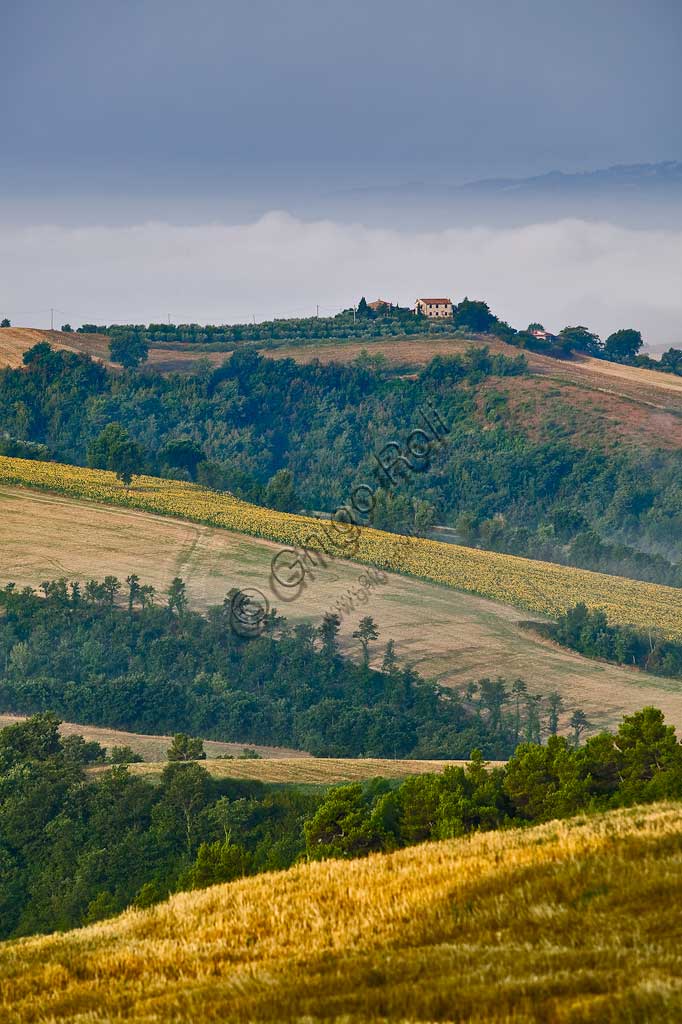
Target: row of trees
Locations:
point(130, 344)
point(117, 655)
point(75, 848)
point(622, 346)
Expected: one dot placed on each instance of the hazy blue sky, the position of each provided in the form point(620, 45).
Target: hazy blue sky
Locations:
point(238, 94)
point(204, 116)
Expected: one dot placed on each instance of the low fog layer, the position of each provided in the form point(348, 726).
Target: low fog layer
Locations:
point(567, 272)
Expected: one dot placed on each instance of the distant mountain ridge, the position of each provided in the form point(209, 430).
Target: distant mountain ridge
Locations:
point(637, 195)
point(641, 176)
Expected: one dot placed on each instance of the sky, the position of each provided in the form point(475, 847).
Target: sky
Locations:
point(147, 115)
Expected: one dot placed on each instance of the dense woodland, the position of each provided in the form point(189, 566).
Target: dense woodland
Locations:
point(108, 655)
point(294, 437)
point(75, 848)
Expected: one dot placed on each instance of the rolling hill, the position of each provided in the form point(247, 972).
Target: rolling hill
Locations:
point(587, 400)
point(14, 341)
point(570, 921)
point(448, 634)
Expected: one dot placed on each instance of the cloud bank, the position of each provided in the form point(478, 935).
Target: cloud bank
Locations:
point(598, 274)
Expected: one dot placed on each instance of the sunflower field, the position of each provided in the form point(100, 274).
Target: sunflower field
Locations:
point(541, 587)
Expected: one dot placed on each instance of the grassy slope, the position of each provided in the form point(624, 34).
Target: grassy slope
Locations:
point(542, 587)
point(570, 921)
point(14, 341)
point(446, 633)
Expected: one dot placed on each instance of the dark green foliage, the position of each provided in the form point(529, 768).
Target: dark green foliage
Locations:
point(181, 454)
point(671, 361)
point(579, 339)
point(474, 315)
point(365, 633)
point(623, 346)
point(280, 492)
point(115, 450)
point(24, 449)
point(186, 748)
point(128, 351)
point(123, 755)
point(126, 461)
point(588, 631)
point(363, 322)
point(111, 658)
point(74, 849)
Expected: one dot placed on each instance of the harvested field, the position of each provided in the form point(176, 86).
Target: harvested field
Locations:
point(444, 633)
point(571, 921)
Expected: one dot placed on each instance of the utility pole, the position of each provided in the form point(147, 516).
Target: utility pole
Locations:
point(353, 314)
point(317, 310)
point(51, 319)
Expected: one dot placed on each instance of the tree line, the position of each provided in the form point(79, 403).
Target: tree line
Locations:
point(130, 343)
point(118, 655)
point(588, 631)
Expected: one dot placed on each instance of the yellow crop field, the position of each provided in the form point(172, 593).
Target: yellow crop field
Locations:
point(321, 771)
point(572, 921)
point(538, 586)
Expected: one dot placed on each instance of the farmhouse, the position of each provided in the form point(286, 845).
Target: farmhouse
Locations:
point(433, 307)
point(380, 305)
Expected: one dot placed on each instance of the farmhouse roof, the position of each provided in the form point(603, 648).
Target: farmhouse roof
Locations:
point(433, 301)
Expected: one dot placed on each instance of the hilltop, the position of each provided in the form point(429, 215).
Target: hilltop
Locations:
point(572, 920)
point(590, 401)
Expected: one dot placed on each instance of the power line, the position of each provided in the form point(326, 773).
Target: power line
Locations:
point(230, 320)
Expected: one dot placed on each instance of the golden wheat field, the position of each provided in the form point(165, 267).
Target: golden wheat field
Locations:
point(304, 770)
point(538, 586)
point(571, 921)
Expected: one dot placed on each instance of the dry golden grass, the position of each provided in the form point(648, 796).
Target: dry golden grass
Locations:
point(310, 770)
point(571, 921)
point(14, 341)
point(416, 351)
